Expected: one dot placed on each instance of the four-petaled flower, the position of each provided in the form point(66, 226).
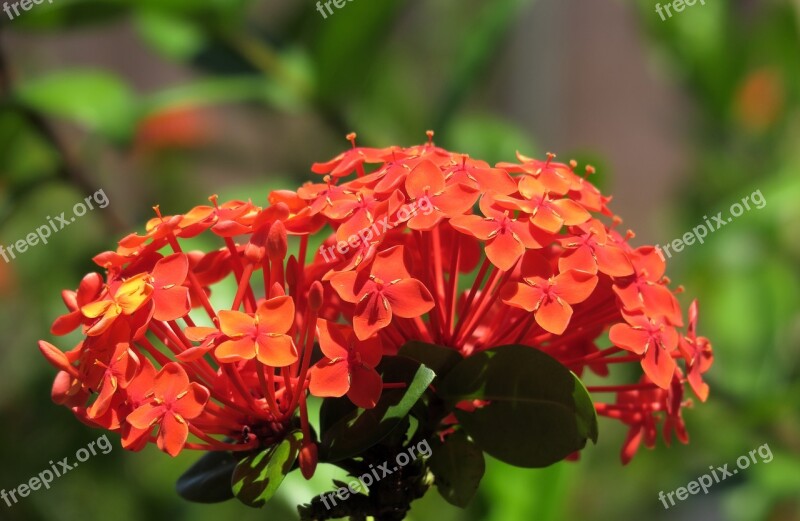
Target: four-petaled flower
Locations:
point(387, 290)
point(173, 402)
point(262, 336)
point(655, 339)
point(550, 298)
point(348, 367)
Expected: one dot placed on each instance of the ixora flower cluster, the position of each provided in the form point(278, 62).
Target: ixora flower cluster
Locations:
point(475, 311)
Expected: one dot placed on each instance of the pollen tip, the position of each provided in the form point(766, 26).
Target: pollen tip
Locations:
point(573, 164)
point(351, 137)
point(430, 134)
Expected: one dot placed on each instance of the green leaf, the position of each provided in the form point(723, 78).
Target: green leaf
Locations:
point(171, 36)
point(97, 100)
point(209, 479)
point(539, 411)
point(258, 476)
point(437, 358)
point(348, 431)
point(457, 466)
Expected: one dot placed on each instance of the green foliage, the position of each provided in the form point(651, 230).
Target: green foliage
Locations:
point(347, 431)
point(539, 411)
point(457, 466)
point(258, 476)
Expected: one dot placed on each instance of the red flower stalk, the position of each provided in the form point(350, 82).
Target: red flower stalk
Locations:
point(403, 261)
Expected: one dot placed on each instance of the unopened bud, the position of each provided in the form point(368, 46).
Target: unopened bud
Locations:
point(309, 457)
point(315, 294)
point(277, 244)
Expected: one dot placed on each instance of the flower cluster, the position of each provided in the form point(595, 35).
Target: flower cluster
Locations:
point(518, 253)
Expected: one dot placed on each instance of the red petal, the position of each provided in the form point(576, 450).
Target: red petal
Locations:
point(333, 339)
point(504, 251)
point(613, 261)
point(571, 212)
point(390, 264)
point(554, 316)
point(547, 220)
point(276, 315)
point(575, 286)
point(370, 350)
point(236, 350)
point(171, 270)
point(276, 350)
point(659, 366)
point(371, 315)
point(145, 416)
point(580, 258)
point(409, 298)
point(425, 179)
point(236, 323)
point(198, 334)
point(474, 225)
point(366, 386)
point(172, 303)
point(329, 378)
point(626, 337)
point(350, 284)
point(521, 296)
point(173, 435)
point(191, 404)
point(171, 381)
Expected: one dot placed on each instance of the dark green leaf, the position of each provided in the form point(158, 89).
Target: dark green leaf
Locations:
point(348, 433)
point(458, 466)
point(540, 412)
point(209, 479)
point(258, 476)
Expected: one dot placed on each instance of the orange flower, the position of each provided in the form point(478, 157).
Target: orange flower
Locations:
point(173, 402)
point(262, 336)
point(348, 367)
point(386, 290)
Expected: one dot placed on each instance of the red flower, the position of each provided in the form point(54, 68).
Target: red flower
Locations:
point(506, 237)
point(170, 297)
point(698, 355)
point(535, 264)
point(655, 339)
point(348, 367)
point(173, 402)
point(426, 181)
point(129, 297)
point(386, 290)
point(550, 298)
point(261, 336)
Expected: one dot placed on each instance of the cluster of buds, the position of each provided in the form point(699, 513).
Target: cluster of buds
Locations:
point(216, 350)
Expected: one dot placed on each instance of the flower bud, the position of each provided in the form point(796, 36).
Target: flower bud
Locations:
point(308, 460)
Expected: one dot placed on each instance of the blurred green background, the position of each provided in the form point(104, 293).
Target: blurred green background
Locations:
point(168, 101)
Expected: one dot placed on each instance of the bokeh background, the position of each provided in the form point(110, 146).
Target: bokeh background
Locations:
point(168, 101)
